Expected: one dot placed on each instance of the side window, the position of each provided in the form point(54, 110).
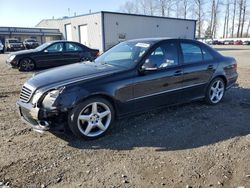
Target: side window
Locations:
point(166, 55)
point(71, 47)
point(191, 53)
point(58, 47)
point(207, 56)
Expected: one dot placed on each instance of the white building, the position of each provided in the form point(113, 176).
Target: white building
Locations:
point(102, 30)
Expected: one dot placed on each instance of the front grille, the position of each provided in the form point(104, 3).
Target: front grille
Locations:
point(25, 94)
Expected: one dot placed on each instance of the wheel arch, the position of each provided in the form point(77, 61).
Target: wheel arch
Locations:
point(104, 96)
point(223, 77)
point(26, 58)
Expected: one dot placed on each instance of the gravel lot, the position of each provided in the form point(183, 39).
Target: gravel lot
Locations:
point(192, 144)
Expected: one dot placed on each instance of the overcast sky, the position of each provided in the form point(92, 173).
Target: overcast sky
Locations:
point(27, 13)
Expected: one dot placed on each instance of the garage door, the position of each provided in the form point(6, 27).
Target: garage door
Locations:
point(68, 31)
point(83, 33)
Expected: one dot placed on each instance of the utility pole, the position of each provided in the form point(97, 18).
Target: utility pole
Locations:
point(69, 11)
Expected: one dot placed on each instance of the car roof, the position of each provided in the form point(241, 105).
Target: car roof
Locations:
point(54, 41)
point(149, 39)
point(156, 40)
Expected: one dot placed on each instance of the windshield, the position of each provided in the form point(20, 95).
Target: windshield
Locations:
point(43, 46)
point(13, 41)
point(30, 40)
point(125, 54)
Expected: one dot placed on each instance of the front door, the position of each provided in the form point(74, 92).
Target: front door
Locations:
point(52, 56)
point(160, 83)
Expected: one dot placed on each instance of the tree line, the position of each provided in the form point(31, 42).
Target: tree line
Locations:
point(229, 16)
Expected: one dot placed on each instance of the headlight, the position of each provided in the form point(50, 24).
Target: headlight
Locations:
point(36, 97)
point(12, 57)
point(50, 98)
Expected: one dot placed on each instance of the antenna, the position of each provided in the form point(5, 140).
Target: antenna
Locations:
point(69, 11)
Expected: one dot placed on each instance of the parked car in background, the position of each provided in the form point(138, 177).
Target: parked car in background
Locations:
point(1, 47)
point(217, 42)
point(132, 77)
point(30, 43)
point(13, 44)
point(238, 42)
point(246, 42)
point(228, 42)
point(51, 54)
point(209, 42)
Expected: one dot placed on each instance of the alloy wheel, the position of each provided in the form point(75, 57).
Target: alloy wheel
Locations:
point(217, 91)
point(27, 65)
point(94, 119)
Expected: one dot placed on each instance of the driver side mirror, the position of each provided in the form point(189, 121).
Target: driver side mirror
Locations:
point(46, 51)
point(149, 66)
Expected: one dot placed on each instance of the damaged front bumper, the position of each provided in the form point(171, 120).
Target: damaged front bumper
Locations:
point(35, 117)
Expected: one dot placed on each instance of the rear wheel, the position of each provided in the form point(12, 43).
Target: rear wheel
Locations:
point(26, 64)
point(92, 118)
point(215, 91)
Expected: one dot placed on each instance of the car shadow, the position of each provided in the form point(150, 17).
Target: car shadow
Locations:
point(176, 128)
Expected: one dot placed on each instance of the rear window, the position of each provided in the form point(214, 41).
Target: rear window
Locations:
point(191, 53)
point(207, 56)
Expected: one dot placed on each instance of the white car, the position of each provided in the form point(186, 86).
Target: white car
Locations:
point(1, 47)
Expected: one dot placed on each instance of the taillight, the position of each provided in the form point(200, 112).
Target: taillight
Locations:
point(98, 54)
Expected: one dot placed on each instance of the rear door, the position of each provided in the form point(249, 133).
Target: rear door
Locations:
point(160, 86)
point(198, 68)
point(72, 53)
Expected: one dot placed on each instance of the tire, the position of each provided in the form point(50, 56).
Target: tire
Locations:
point(84, 59)
point(92, 118)
point(215, 91)
point(26, 64)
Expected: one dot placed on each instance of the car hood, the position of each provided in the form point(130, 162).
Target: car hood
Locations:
point(23, 52)
point(70, 73)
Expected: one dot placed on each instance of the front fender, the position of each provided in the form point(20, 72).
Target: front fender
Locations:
point(70, 98)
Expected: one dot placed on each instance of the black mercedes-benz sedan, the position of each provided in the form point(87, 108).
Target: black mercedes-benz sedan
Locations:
point(134, 76)
point(51, 54)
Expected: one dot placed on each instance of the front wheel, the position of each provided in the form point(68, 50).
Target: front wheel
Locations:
point(85, 59)
point(92, 118)
point(26, 64)
point(215, 91)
